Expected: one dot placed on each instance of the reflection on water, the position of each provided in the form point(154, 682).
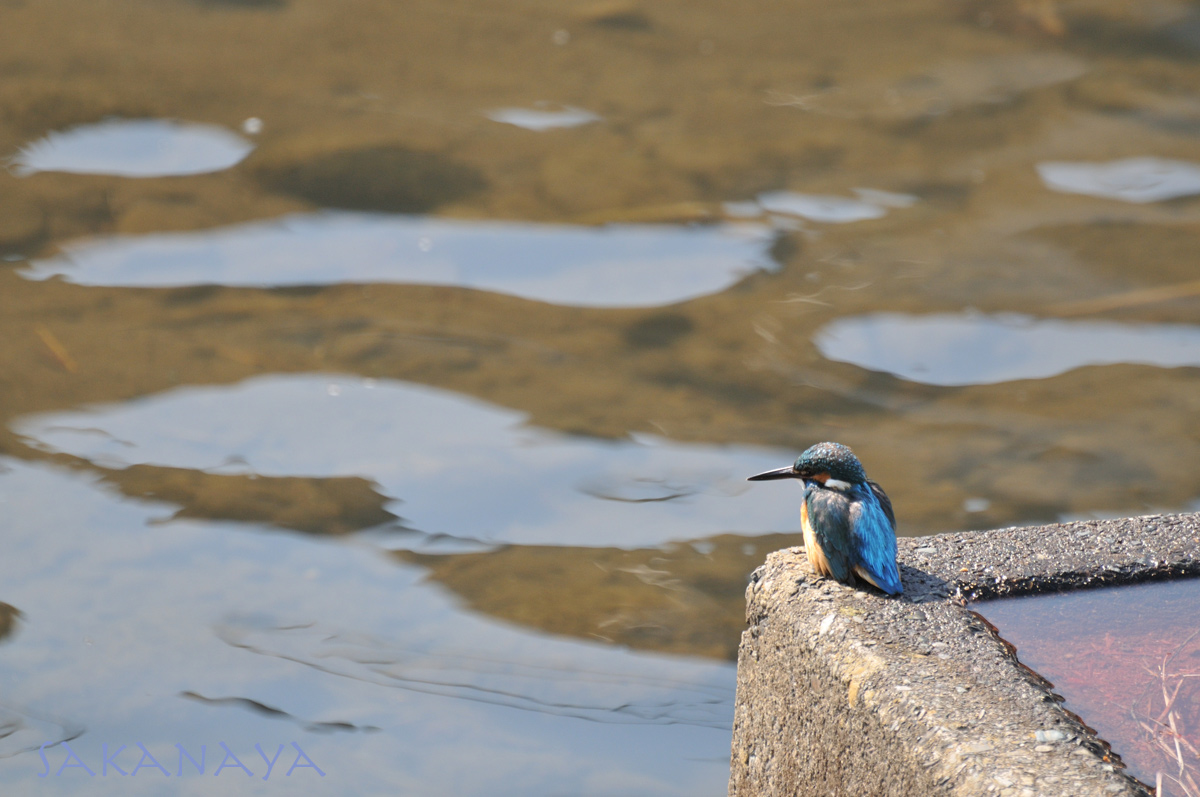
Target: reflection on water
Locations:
point(327, 505)
point(617, 266)
point(134, 148)
point(456, 466)
point(978, 350)
point(832, 209)
point(9, 617)
point(542, 118)
point(335, 634)
point(1130, 180)
point(678, 598)
point(1127, 660)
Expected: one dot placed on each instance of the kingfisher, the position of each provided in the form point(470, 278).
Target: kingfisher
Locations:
point(849, 527)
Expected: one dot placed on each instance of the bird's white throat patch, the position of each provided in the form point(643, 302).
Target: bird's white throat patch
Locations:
point(837, 484)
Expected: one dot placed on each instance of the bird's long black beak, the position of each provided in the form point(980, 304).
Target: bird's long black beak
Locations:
point(778, 473)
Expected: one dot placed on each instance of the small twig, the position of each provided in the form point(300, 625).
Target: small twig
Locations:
point(56, 348)
point(1123, 300)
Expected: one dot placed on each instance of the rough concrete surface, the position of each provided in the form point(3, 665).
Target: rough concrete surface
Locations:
point(843, 691)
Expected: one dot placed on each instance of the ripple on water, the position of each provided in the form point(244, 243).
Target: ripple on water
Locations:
point(134, 148)
point(972, 349)
point(187, 627)
point(613, 266)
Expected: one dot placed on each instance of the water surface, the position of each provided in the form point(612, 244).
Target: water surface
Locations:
point(380, 678)
point(1127, 660)
point(417, 434)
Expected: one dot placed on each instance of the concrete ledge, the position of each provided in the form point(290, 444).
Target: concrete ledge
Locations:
point(847, 692)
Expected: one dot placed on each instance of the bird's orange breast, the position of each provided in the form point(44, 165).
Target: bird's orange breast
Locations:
point(816, 556)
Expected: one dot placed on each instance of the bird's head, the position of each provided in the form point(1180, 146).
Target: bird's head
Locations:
point(822, 463)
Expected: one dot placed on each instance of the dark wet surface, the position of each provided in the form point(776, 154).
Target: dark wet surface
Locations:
point(432, 412)
point(1127, 661)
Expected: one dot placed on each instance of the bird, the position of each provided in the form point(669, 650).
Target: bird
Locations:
point(848, 523)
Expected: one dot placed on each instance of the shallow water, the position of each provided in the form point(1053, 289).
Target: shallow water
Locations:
point(1127, 661)
point(384, 380)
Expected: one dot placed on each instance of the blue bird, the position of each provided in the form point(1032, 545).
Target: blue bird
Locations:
point(849, 527)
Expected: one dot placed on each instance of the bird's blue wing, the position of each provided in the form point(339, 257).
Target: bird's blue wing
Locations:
point(873, 540)
point(884, 502)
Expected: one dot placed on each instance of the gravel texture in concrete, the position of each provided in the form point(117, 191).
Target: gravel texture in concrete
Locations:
point(844, 691)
